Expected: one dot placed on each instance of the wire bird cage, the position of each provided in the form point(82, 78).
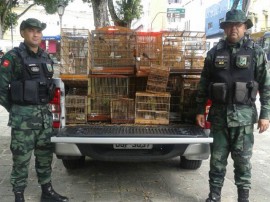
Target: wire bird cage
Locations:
point(148, 50)
point(101, 90)
point(188, 98)
point(184, 49)
point(122, 110)
point(76, 109)
point(112, 50)
point(152, 108)
point(157, 79)
point(74, 51)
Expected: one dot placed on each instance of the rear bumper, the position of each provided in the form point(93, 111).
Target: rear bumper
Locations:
point(191, 148)
point(168, 142)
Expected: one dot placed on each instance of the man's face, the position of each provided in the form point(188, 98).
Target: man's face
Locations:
point(235, 31)
point(32, 36)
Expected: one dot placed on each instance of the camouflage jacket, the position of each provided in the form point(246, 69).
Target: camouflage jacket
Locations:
point(233, 115)
point(21, 116)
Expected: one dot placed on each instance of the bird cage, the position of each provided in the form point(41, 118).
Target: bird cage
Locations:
point(157, 79)
point(74, 51)
point(152, 108)
point(76, 109)
point(148, 51)
point(112, 50)
point(122, 110)
point(101, 90)
point(183, 49)
point(188, 97)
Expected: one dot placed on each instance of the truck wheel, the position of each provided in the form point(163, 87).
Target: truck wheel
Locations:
point(71, 164)
point(190, 164)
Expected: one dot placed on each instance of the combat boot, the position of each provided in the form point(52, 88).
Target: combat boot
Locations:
point(243, 195)
point(19, 197)
point(214, 195)
point(48, 194)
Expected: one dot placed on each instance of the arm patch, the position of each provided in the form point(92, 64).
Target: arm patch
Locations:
point(5, 63)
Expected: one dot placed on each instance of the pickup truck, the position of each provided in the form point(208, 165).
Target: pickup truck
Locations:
point(155, 126)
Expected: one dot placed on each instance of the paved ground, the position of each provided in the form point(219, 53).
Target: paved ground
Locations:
point(135, 182)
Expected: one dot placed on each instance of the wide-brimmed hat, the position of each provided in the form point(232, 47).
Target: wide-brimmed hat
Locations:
point(234, 16)
point(32, 22)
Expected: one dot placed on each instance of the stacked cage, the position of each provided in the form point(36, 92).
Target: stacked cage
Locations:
point(102, 89)
point(153, 106)
point(122, 110)
point(195, 49)
point(112, 51)
point(76, 109)
point(128, 76)
point(74, 51)
point(184, 49)
point(188, 97)
point(148, 51)
point(112, 66)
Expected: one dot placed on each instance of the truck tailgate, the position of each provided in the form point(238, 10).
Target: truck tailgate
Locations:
point(130, 134)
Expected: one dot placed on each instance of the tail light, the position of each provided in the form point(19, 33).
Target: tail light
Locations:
point(56, 108)
point(207, 107)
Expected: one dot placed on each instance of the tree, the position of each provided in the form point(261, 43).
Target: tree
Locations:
point(100, 12)
point(125, 12)
point(8, 18)
point(122, 14)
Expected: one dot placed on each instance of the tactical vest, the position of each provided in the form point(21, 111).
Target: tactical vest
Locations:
point(35, 85)
point(232, 75)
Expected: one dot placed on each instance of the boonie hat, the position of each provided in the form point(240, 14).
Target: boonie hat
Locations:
point(32, 22)
point(233, 16)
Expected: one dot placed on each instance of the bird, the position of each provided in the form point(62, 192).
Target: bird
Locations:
point(146, 56)
point(101, 39)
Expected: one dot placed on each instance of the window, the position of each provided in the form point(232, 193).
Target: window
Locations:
point(210, 25)
point(266, 21)
point(174, 1)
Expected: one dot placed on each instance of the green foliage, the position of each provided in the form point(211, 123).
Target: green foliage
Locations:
point(127, 10)
point(9, 18)
point(51, 5)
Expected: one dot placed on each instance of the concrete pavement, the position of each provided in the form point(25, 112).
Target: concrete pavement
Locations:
point(135, 182)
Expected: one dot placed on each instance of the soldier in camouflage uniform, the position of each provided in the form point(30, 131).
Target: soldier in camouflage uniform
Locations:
point(26, 88)
point(234, 71)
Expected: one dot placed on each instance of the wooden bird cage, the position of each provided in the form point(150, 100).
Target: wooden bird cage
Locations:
point(157, 79)
point(101, 90)
point(76, 109)
point(152, 108)
point(74, 51)
point(122, 110)
point(112, 50)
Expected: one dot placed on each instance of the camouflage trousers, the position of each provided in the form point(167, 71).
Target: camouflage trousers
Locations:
point(237, 141)
point(23, 143)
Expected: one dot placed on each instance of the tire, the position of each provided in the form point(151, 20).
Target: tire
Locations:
point(72, 164)
point(190, 164)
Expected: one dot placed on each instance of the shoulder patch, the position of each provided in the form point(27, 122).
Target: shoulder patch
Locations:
point(6, 63)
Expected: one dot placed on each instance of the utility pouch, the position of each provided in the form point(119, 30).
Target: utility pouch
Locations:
point(253, 87)
point(241, 93)
point(31, 92)
point(218, 92)
point(51, 91)
point(16, 91)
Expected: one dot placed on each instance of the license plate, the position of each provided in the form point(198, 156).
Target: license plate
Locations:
point(132, 146)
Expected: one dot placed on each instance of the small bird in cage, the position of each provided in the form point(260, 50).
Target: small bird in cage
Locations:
point(146, 56)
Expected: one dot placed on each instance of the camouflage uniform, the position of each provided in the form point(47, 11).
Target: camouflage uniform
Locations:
point(232, 124)
point(31, 127)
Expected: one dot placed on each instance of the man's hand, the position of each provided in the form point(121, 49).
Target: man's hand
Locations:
point(200, 119)
point(263, 125)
